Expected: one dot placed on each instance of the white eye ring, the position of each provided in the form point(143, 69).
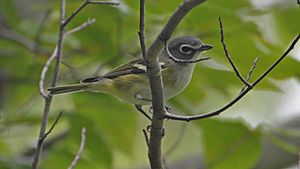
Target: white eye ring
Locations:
point(185, 51)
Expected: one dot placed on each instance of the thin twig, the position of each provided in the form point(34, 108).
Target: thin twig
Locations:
point(141, 31)
point(88, 23)
point(250, 72)
point(59, 43)
point(52, 127)
point(228, 56)
point(180, 60)
point(49, 142)
point(146, 137)
point(87, 2)
point(81, 148)
point(241, 95)
point(44, 72)
point(252, 68)
point(102, 2)
point(48, 98)
point(56, 54)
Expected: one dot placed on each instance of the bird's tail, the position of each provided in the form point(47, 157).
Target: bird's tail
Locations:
point(67, 89)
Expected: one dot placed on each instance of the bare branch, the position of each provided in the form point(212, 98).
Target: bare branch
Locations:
point(47, 143)
point(56, 54)
point(85, 4)
point(102, 2)
point(278, 60)
point(241, 95)
point(52, 127)
point(228, 56)
point(146, 137)
point(140, 109)
point(88, 23)
point(81, 148)
point(250, 72)
point(155, 79)
point(180, 60)
point(44, 72)
point(48, 98)
point(141, 32)
point(252, 68)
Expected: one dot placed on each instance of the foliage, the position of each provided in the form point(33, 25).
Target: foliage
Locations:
point(225, 142)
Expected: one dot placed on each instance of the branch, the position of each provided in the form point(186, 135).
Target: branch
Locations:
point(155, 79)
point(48, 98)
point(88, 23)
point(56, 54)
point(228, 56)
point(241, 95)
point(87, 2)
point(141, 31)
point(250, 72)
point(53, 56)
point(53, 125)
point(146, 137)
point(81, 147)
point(44, 72)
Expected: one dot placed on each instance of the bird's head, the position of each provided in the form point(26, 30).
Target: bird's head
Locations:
point(187, 47)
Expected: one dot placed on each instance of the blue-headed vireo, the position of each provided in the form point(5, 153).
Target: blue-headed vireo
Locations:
point(129, 82)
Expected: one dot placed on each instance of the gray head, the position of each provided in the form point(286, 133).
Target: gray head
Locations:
point(187, 47)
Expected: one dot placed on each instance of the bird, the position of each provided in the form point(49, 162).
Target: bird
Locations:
point(129, 82)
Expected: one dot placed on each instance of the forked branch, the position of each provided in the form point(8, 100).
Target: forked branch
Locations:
point(237, 72)
point(241, 94)
point(57, 54)
point(155, 79)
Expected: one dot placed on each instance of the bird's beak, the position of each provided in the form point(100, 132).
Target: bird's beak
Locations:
point(204, 48)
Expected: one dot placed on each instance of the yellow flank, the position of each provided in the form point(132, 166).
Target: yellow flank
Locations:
point(133, 84)
point(126, 82)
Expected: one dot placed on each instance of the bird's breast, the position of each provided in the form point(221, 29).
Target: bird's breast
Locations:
point(176, 79)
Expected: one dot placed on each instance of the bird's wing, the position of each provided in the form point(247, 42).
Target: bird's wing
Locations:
point(133, 67)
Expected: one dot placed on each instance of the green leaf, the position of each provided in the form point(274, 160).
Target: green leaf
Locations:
point(115, 120)
point(229, 144)
point(96, 153)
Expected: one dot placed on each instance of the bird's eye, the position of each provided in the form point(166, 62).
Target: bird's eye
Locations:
point(184, 49)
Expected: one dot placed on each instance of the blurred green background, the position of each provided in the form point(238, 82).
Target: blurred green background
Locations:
point(261, 131)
